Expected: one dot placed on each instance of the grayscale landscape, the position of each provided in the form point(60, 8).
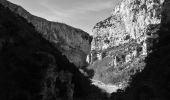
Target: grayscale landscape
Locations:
point(85, 50)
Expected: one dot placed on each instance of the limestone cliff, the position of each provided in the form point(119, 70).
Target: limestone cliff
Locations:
point(74, 43)
point(122, 42)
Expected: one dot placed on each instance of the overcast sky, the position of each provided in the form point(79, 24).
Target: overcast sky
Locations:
point(83, 14)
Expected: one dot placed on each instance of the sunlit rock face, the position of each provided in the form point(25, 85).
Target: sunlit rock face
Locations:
point(122, 42)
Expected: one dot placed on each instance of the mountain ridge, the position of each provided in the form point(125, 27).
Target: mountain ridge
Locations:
point(73, 42)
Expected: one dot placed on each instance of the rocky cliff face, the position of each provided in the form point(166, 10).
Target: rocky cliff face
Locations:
point(74, 43)
point(122, 42)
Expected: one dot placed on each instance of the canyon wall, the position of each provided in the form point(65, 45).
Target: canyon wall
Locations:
point(122, 42)
point(32, 68)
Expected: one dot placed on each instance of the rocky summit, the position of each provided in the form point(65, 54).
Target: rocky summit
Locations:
point(122, 42)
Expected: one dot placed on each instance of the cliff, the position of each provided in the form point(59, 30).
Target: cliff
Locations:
point(72, 42)
point(122, 42)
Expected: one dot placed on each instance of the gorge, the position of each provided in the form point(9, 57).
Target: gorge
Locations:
point(127, 58)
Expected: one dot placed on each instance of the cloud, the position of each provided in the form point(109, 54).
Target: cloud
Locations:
point(75, 9)
point(82, 14)
point(95, 6)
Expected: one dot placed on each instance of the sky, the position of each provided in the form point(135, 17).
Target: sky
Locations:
point(82, 14)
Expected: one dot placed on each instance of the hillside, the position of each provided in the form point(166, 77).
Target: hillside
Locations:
point(72, 42)
point(32, 68)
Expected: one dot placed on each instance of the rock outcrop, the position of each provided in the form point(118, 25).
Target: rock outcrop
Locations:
point(122, 42)
point(72, 42)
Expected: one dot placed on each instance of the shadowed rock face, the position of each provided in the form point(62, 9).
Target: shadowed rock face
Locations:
point(32, 68)
point(73, 43)
point(122, 42)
